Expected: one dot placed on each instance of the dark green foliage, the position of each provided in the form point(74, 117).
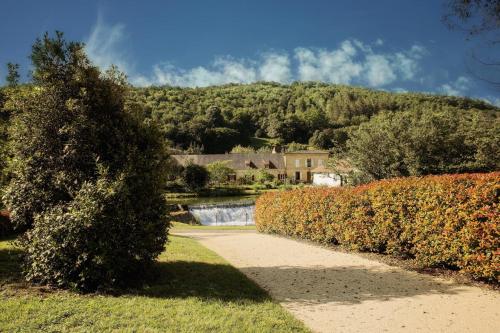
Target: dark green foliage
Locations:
point(195, 177)
point(4, 121)
point(263, 177)
point(88, 176)
point(219, 172)
point(322, 114)
point(12, 74)
point(220, 139)
point(421, 142)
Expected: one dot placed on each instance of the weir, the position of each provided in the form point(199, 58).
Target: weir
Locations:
point(224, 214)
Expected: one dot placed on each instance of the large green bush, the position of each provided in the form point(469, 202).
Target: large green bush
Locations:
point(441, 221)
point(195, 177)
point(87, 175)
point(422, 141)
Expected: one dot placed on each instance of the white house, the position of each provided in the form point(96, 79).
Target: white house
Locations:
point(324, 177)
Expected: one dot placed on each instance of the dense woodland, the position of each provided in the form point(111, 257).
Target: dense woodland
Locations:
point(221, 117)
point(385, 134)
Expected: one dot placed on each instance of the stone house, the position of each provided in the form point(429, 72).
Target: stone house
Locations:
point(298, 166)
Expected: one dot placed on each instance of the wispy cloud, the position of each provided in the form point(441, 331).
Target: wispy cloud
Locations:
point(459, 87)
point(350, 62)
point(492, 100)
point(105, 45)
point(357, 62)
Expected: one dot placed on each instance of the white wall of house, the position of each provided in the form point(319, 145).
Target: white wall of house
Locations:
point(326, 179)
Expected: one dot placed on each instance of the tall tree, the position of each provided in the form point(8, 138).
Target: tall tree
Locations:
point(480, 21)
point(87, 175)
point(12, 74)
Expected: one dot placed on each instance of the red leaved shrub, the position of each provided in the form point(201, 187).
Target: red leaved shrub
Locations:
point(448, 221)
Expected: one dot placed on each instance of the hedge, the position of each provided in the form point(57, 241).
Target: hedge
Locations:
point(450, 221)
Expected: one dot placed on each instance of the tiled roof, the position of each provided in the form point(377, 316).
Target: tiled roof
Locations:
point(308, 152)
point(236, 161)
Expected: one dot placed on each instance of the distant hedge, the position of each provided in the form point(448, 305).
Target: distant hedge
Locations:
point(450, 221)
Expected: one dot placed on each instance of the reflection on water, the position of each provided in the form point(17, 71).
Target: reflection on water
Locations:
point(212, 200)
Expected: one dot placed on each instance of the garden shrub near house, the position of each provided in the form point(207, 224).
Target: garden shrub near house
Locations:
point(219, 172)
point(87, 175)
point(195, 177)
point(450, 221)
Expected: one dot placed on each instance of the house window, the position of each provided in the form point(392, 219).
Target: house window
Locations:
point(308, 163)
point(297, 163)
point(297, 175)
point(282, 176)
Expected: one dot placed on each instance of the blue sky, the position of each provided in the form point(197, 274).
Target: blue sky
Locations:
point(397, 45)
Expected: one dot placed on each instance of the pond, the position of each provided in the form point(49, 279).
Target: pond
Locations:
point(212, 200)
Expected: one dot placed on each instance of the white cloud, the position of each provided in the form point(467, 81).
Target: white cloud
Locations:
point(379, 70)
point(459, 87)
point(104, 46)
point(357, 62)
point(275, 67)
point(492, 100)
point(337, 66)
point(271, 67)
point(351, 62)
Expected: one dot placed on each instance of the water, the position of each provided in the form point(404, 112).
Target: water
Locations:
point(241, 213)
point(212, 200)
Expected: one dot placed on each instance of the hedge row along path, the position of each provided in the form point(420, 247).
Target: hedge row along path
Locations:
point(332, 291)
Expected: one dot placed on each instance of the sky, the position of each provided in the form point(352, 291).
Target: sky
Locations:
point(393, 45)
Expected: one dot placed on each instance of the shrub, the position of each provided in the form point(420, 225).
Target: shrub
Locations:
point(219, 172)
point(87, 175)
point(239, 149)
point(450, 221)
point(195, 177)
point(263, 176)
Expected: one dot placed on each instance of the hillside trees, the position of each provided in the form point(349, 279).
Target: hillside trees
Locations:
point(88, 175)
point(322, 114)
point(422, 141)
point(12, 74)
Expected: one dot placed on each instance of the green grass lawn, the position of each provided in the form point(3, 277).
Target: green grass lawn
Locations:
point(257, 143)
point(196, 291)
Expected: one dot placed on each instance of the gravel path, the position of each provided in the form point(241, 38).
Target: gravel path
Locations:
point(332, 291)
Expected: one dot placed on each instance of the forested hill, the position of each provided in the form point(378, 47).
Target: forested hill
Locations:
point(220, 117)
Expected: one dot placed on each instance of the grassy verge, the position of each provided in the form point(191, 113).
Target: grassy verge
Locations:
point(177, 226)
point(196, 291)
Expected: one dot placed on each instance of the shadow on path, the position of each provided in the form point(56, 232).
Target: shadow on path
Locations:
point(182, 279)
point(345, 284)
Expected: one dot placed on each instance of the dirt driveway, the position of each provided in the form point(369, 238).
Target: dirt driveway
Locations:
point(332, 291)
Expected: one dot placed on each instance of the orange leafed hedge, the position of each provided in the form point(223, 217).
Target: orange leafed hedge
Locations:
point(442, 221)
